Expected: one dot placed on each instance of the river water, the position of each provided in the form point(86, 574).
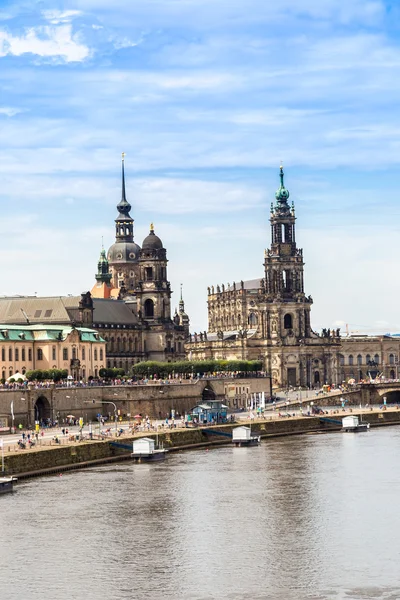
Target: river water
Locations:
point(309, 517)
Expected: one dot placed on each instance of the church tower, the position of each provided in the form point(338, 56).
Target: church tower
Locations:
point(153, 291)
point(102, 288)
point(288, 317)
point(123, 256)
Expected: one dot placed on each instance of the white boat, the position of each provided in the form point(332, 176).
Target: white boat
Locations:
point(242, 436)
point(353, 424)
point(144, 449)
point(6, 484)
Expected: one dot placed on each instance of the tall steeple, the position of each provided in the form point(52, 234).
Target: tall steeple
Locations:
point(124, 222)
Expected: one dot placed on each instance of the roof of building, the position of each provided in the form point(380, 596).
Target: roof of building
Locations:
point(113, 311)
point(32, 309)
point(63, 310)
point(152, 241)
point(211, 337)
point(45, 332)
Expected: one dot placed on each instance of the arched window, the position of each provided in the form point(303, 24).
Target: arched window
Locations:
point(367, 359)
point(392, 375)
point(288, 321)
point(350, 359)
point(95, 354)
point(376, 359)
point(149, 308)
point(391, 359)
point(74, 353)
point(252, 319)
point(341, 359)
point(359, 359)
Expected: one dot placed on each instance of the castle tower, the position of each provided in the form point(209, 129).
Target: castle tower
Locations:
point(153, 291)
point(123, 255)
point(288, 317)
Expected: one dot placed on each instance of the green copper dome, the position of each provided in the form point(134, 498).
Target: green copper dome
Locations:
point(282, 194)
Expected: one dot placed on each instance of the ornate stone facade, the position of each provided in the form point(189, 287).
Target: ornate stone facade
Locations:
point(269, 319)
point(137, 277)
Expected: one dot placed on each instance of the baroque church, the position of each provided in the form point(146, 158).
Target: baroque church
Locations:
point(268, 319)
point(129, 304)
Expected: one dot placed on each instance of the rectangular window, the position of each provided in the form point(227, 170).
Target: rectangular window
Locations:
point(23, 354)
point(16, 355)
point(37, 314)
point(10, 354)
point(3, 354)
point(95, 354)
point(30, 354)
point(65, 353)
point(83, 353)
point(101, 353)
point(54, 353)
point(39, 354)
point(48, 313)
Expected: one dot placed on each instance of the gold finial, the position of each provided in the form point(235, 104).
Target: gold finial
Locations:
point(152, 227)
point(123, 156)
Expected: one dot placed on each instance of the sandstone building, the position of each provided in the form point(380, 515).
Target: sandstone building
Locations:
point(269, 319)
point(129, 305)
point(79, 350)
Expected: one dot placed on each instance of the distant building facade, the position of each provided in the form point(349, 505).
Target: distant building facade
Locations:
point(269, 319)
point(129, 304)
point(79, 350)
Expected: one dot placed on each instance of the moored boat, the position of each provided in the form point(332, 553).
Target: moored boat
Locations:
point(6, 484)
point(144, 450)
point(352, 424)
point(242, 436)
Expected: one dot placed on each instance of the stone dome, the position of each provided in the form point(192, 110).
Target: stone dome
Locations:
point(152, 242)
point(123, 252)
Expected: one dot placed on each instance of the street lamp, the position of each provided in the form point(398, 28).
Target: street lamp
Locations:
point(107, 402)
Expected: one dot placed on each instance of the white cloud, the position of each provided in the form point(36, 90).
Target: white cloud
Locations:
point(185, 196)
point(9, 111)
point(55, 17)
point(45, 42)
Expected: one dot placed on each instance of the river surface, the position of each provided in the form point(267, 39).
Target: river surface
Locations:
point(309, 517)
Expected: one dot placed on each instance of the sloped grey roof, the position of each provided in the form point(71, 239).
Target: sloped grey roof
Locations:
point(112, 311)
point(37, 310)
point(229, 335)
point(250, 284)
point(63, 310)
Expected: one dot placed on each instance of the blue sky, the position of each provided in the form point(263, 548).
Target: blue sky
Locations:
point(205, 97)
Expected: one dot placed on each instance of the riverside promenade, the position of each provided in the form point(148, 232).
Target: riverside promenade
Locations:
point(49, 457)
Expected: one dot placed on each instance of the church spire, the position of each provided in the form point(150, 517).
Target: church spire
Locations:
point(123, 178)
point(123, 205)
point(181, 302)
point(282, 195)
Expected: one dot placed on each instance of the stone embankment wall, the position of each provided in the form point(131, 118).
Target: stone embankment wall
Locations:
point(155, 400)
point(58, 458)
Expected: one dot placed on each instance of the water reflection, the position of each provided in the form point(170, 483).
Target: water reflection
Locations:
point(306, 517)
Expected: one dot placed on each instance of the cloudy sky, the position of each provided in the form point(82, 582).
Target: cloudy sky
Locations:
point(205, 97)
